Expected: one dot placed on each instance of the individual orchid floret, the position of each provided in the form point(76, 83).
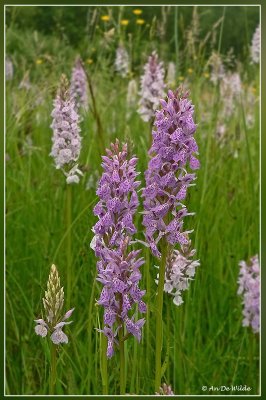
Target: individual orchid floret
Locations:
point(79, 86)
point(53, 302)
point(152, 87)
point(118, 266)
point(255, 46)
point(249, 289)
point(165, 390)
point(173, 150)
point(66, 133)
point(180, 270)
point(122, 61)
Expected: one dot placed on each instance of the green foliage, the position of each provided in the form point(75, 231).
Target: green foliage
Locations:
point(72, 24)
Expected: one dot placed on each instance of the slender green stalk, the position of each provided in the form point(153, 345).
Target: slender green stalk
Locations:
point(168, 337)
point(147, 327)
point(122, 362)
point(134, 367)
point(90, 329)
point(53, 370)
point(104, 365)
point(159, 321)
point(69, 251)
point(221, 32)
point(96, 114)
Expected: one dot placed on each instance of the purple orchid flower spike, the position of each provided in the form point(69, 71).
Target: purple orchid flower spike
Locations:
point(66, 134)
point(79, 86)
point(118, 267)
point(167, 180)
point(152, 87)
point(173, 151)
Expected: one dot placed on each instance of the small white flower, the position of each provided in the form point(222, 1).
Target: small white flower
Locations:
point(168, 287)
point(72, 179)
point(178, 300)
point(41, 330)
point(58, 336)
point(72, 175)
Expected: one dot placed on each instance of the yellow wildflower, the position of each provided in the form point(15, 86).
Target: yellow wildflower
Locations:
point(89, 61)
point(39, 61)
point(140, 21)
point(180, 78)
point(124, 22)
point(206, 75)
point(190, 70)
point(137, 11)
point(105, 18)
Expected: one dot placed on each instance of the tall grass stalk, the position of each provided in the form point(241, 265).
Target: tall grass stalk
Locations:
point(96, 115)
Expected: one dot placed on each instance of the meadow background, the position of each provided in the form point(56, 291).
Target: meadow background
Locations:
point(205, 343)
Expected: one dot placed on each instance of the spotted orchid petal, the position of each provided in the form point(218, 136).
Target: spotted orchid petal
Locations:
point(61, 324)
point(41, 330)
point(58, 336)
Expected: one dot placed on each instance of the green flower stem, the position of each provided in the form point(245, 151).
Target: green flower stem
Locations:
point(159, 322)
point(96, 115)
point(104, 365)
point(53, 370)
point(122, 361)
point(147, 327)
point(69, 250)
point(134, 367)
